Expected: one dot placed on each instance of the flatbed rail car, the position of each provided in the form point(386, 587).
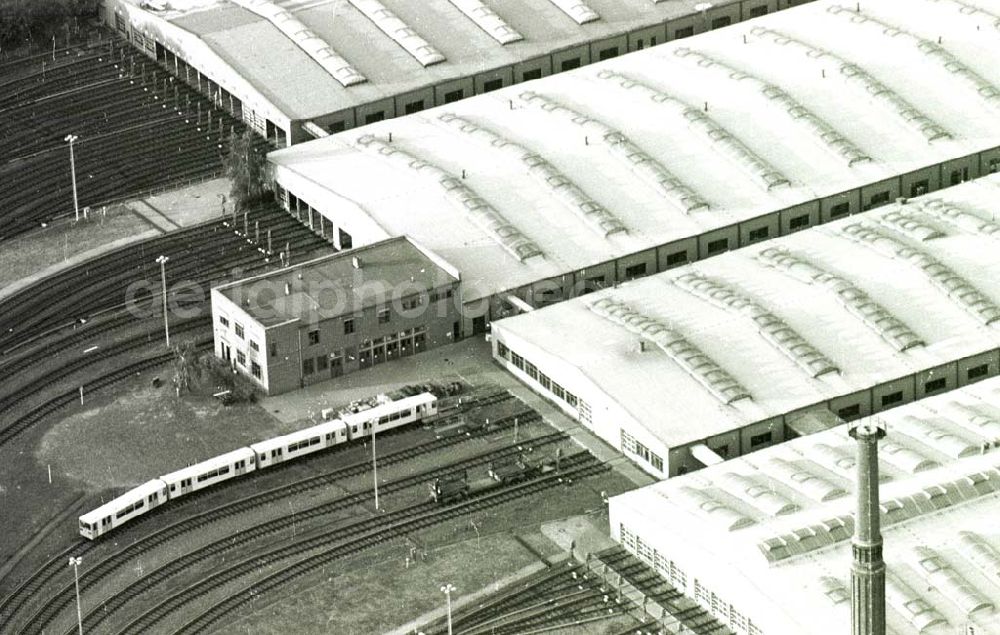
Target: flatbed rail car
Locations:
point(505, 471)
point(386, 415)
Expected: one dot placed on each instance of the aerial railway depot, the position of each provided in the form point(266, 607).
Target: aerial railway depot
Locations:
point(577, 251)
point(666, 156)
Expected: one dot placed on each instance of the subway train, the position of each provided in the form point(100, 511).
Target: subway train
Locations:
point(353, 424)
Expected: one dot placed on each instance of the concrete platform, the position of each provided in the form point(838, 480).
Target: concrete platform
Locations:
point(468, 360)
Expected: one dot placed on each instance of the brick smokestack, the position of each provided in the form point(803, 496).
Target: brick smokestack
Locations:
point(868, 567)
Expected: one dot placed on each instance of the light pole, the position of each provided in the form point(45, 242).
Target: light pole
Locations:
point(71, 138)
point(163, 277)
point(447, 589)
point(75, 563)
point(374, 466)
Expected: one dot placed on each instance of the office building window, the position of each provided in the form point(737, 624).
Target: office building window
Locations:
point(530, 370)
point(517, 360)
point(239, 330)
point(274, 349)
point(223, 321)
point(503, 351)
point(241, 359)
point(255, 369)
point(307, 367)
point(253, 346)
point(322, 362)
point(544, 380)
point(348, 326)
point(383, 316)
point(314, 337)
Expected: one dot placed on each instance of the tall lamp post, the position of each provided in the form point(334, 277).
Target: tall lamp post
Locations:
point(163, 277)
point(71, 138)
point(75, 563)
point(447, 589)
point(374, 466)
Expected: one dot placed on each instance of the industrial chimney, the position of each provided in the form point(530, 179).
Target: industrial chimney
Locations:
point(868, 567)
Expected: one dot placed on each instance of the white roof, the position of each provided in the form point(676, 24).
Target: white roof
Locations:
point(778, 546)
point(209, 464)
point(630, 139)
point(402, 47)
point(129, 497)
point(791, 322)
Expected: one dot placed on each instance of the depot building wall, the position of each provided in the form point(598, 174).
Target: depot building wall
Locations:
point(189, 58)
point(580, 398)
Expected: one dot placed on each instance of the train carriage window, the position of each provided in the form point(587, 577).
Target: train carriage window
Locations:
point(453, 96)
point(721, 21)
point(978, 371)
point(687, 31)
point(535, 73)
point(756, 12)
point(491, 85)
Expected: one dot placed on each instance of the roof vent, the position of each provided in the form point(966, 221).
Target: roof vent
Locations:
point(356, 262)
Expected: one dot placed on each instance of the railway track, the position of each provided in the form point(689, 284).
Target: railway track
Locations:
point(111, 605)
point(37, 414)
point(30, 587)
point(201, 254)
point(11, 400)
point(349, 541)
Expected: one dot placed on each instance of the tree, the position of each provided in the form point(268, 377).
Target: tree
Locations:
point(36, 21)
point(187, 365)
point(246, 165)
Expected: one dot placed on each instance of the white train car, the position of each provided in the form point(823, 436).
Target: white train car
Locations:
point(390, 415)
point(131, 504)
point(299, 443)
point(208, 473)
